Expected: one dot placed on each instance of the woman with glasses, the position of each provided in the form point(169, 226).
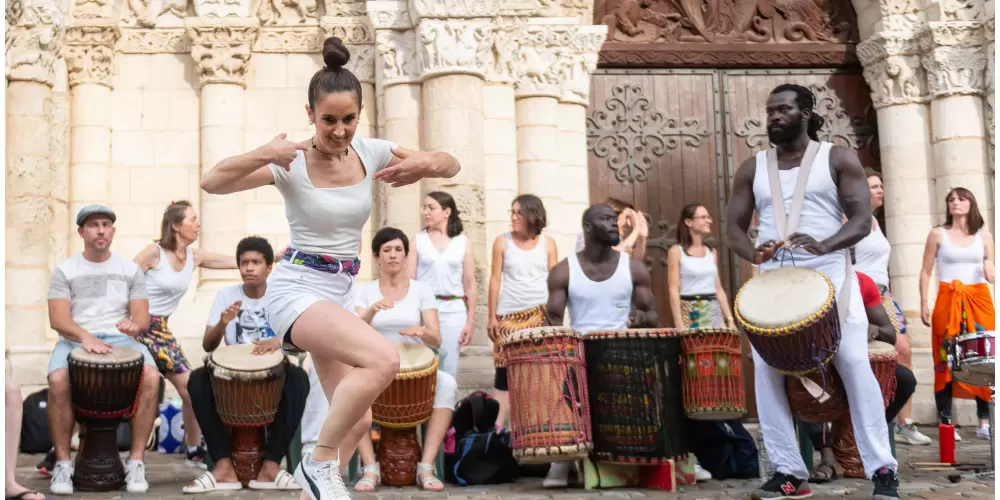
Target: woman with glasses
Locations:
point(697, 299)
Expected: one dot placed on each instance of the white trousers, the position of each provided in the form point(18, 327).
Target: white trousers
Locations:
point(854, 368)
point(451, 324)
point(317, 407)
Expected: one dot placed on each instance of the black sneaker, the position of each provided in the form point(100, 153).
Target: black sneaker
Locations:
point(782, 486)
point(886, 484)
point(196, 458)
point(48, 464)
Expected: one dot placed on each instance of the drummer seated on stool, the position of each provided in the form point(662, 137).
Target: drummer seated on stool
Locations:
point(881, 329)
point(404, 310)
point(238, 315)
point(97, 299)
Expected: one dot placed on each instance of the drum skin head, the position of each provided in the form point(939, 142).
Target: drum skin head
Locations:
point(414, 357)
point(879, 347)
point(238, 357)
point(783, 297)
point(540, 333)
point(118, 354)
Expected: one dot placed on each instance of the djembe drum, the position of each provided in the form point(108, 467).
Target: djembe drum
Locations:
point(790, 317)
point(636, 397)
point(712, 374)
point(405, 404)
point(105, 390)
point(550, 408)
point(247, 389)
point(835, 409)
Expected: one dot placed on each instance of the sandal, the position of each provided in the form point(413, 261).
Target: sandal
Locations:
point(206, 483)
point(427, 479)
point(824, 473)
point(21, 495)
point(371, 478)
point(283, 481)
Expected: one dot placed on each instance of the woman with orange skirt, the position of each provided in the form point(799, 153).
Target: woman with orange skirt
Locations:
point(963, 251)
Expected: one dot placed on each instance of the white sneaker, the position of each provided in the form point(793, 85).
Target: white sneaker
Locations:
point(983, 432)
point(701, 474)
point(321, 480)
point(957, 436)
point(908, 434)
point(62, 478)
point(558, 475)
point(135, 477)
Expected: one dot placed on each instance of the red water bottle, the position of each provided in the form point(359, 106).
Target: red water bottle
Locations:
point(946, 443)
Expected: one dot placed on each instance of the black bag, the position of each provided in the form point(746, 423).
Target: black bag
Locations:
point(476, 412)
point(35, 424)
point(724, 448)
point(482, 455)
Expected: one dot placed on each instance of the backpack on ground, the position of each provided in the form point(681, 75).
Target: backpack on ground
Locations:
point(35, 423)
point(724, 448)
point(482, 454)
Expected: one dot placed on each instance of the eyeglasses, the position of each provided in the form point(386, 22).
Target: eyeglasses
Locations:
point(512, 213)
point(705, 217)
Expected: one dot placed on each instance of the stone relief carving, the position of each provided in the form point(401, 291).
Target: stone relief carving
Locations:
point(286, 40)
point(345, 8)
point(545, 59)
point(451, 9)
point(14, 9)
point(287, 12)
point(224, 8)
point(497, 48)
point(35, 42)
point(587, 41)
point(356, 29)
point(892, 69)
point(449, 46)
point(389, 14)
point(158, 41)
point(89, 54)
point(155, 13)
point(954, 70)
point(629, 132)
point(93, 9)
point(222, 52)
point(362, 62)
point(398, 61)
point(900, 15)
point(567, 8)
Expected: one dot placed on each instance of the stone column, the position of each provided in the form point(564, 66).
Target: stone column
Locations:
point(955, 64)
point(90, 62)
point(221, 49)
point(989, 37)
point(32, 48)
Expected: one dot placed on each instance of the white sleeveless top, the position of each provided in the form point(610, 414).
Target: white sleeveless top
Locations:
point(821, 214)
point(166, 286)
point(525, 275)
point(442, 271)
point(964, 264)
point(698, 274)
point(872, 256)
point(600, 305)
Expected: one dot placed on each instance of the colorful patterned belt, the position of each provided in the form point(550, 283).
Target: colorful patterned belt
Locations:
point(692, 298)
point(322, 263)
point(464, 299)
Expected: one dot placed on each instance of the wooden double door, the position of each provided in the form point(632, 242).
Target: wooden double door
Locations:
point(661, 139)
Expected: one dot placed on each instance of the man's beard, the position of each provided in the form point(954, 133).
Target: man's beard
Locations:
point(784, 134)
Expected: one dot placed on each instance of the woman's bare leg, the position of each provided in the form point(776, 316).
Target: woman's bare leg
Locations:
point(192, 432)
point(13, 414)
point(904, 351)
point(437, 428)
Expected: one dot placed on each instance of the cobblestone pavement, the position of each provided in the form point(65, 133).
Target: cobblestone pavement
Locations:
point(167, 474)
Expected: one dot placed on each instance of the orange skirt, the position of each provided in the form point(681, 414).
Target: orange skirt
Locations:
point(958, 310)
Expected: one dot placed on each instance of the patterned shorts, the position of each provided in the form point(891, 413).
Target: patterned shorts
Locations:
point(163, 346)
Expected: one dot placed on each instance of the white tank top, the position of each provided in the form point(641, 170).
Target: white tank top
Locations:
point(964, 264)
point(698, 274)
point(525, 274)
point(821, 215)
point(603, 305)
point(166, 286)
point(872, 256)
point(442, 271)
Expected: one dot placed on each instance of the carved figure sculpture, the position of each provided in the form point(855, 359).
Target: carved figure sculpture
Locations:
point(900, 77)
point(270, 12)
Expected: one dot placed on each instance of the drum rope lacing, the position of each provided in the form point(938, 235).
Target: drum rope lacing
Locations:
point(126, 413)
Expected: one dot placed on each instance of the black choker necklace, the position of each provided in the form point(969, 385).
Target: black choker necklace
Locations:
point(313, 141)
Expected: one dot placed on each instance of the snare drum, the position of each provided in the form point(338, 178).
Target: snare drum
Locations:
point(247, 390)
point(104, 389)
point(712, 374)
point(636, 396)
point(973, 358)
point(790, 317)
point(550, 409)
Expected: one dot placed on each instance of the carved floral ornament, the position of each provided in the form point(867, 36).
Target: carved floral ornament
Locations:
point(89, 54)
point(222, 52)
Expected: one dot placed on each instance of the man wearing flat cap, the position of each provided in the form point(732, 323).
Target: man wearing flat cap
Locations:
point(97, 301)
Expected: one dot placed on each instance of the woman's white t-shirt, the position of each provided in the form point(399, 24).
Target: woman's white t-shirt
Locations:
point(405, 313)
point(250, 325)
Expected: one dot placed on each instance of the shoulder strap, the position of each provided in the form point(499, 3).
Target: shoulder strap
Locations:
point(787, 223)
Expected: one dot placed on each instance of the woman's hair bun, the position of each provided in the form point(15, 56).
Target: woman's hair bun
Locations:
point(335, 54)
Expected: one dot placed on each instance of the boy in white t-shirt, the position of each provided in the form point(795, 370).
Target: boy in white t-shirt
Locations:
point(238, 316)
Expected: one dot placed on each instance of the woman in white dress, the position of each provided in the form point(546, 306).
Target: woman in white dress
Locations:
point(872, 259)
point(326, 182)
point(443, 260)
point(404, 310)
point(518, 289)
point(168, 265)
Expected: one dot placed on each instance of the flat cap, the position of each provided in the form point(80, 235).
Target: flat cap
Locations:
point(95, 209)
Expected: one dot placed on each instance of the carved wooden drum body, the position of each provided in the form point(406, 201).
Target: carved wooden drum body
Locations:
point(105, 390)
point(712, 374)
point(247, 390)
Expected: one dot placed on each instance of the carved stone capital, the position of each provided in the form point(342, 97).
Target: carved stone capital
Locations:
point(221, 48)
point(955, 71)
point(354, 29)
point(90, 53)
point(588, 42)
point(545, 59)
point(85, 10)
point(951, 34)
point(389, 14)
point(892, 69)
point(287, 40)
point(451, 46)
point(155, 41)
point(346, 8)
point(229, 8)
point(397, 61)
point(498, 44)
point(34, 43)
point(452, 9)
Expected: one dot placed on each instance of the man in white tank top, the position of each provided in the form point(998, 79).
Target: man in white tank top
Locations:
point(604, 289)
point(836, 186)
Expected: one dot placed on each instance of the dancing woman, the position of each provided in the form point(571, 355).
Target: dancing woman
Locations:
point(872, 254)
point(443, 260)
point(326, 182)
point(522, 259)
point(963, 251)
point(697, 298)
point(168, 265)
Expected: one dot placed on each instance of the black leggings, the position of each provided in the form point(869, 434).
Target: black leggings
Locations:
point(906, 384)
point(943, 399)
point(500, 379)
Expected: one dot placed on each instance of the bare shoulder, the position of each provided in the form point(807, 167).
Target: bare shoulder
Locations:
point(148, 257)
point(500, 242)
point(841, 157)
point(560, 273)
point(638, 268)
